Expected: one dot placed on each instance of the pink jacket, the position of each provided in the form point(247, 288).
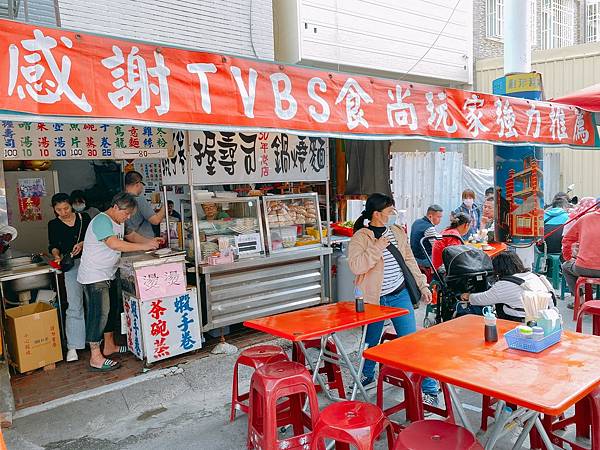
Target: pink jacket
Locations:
point(366, 262)
point(586, 233)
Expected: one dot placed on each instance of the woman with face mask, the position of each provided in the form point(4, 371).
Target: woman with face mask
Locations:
point(383, 274)
point(65, 238)
point(471, 209)
point(80, 204)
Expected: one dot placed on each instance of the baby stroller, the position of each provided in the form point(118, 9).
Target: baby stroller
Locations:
point(466, 269)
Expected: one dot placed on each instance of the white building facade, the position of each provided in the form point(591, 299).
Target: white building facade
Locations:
point(235, 27)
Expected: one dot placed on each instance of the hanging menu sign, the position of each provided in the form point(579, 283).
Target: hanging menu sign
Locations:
point(232, 158)
point(42, 140)
point(175, 167)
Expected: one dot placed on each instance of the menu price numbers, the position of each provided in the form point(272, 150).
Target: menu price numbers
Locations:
point(76, 152)
point(61, 152)
point(106, 152)
point(10, 153)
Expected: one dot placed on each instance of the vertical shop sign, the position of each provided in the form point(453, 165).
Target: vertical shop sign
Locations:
point(172, 326)
point(175, 168)
point(134, 323)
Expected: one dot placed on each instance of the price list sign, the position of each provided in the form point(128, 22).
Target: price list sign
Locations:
point(58, 141)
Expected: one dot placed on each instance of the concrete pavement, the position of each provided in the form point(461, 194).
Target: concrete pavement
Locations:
point(183, 408)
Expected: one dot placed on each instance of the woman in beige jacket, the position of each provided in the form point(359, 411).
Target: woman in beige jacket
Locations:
point(380, 278)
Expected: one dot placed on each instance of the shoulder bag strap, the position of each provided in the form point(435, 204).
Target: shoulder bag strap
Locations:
point(80, 228)
point(512, 279)
point(409, 279)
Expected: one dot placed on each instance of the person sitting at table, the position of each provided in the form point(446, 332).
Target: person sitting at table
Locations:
point(555, 217)
point(507, 293)
point(585, 261)
point(384, 276)
point(487, 216)
point(425, 227)
point(213, 212)
point(459, 226)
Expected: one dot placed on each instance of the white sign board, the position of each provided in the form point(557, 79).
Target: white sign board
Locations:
point(233, 158)
point(171, 326)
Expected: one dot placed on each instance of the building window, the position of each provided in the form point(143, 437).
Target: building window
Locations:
point(558, 23)
point(494, 13)
point(592, 18)
point(494, 24)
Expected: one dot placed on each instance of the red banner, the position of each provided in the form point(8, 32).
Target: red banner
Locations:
point(56, 72)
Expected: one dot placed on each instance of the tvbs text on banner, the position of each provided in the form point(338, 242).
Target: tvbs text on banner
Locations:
point(57, 72)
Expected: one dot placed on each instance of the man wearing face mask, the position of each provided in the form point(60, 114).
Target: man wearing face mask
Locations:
point(141, 222)
point(425, 227)
point(469, 208)
point(80, 204)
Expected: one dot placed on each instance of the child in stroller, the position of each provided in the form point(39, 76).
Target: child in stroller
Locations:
point(465, 269)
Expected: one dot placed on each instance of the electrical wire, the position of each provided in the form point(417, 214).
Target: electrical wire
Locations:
point(251, 32)
point(437, 38)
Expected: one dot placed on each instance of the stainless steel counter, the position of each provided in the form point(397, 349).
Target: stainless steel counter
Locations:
point(266, 260)
point(255, 287)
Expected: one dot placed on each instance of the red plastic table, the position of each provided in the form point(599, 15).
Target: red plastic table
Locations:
point(455, 352)
point(324, 322)
point(497, 247)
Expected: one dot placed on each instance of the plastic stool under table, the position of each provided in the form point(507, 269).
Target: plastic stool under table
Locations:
point(253, 357)
point(352, 423)
point(270, 383)
point(436, 435)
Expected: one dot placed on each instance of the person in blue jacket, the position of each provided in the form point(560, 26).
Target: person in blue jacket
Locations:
point(555, 217)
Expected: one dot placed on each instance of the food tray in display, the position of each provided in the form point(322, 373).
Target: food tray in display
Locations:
point(342, 231)
point(301, 242)
point(517, 342)
point(300, 211)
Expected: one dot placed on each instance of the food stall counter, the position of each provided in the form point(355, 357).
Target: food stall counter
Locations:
point(262, 285)
point(161, 312)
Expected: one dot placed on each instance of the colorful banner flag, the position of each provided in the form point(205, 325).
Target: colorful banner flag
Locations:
point(46, 71)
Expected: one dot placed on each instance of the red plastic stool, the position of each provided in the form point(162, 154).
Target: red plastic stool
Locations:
point(413, 398)
point(488, 411)
point(586, 420)
point(352, 423)
point(436, 434)
point(252, 357)
point(590, 307)
point(332, 372)
point(586, 283)
point(270, 383)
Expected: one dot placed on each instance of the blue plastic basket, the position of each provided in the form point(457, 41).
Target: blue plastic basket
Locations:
point(529, 345)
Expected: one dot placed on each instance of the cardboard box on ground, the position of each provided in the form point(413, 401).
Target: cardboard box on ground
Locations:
point(33, 336)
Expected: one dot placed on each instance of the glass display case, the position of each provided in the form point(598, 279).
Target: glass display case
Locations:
point(187, 228)
point(292, 222)
point(234, 222)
